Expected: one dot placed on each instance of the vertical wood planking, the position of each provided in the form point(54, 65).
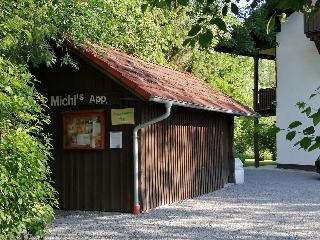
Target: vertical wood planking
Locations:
point(187, 154)
point(180, 157)
point(89, 180)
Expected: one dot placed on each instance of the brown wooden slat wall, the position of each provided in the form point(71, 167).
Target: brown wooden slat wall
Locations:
point(85, 179)
point(189, 154)
point(94, 180)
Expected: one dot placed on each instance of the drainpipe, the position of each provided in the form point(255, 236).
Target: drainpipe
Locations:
point(136, 205)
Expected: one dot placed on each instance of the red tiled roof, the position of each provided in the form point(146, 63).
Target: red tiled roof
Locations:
point(154, 81)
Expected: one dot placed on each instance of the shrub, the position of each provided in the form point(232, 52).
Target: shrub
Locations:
point(26, 196)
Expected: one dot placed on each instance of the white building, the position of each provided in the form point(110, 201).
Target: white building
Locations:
point(298, 75)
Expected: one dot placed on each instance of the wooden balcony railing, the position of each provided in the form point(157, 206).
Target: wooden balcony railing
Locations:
point(267, 101)
point(312, 28)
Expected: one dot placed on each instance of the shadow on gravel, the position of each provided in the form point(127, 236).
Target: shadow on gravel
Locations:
point(272, 204)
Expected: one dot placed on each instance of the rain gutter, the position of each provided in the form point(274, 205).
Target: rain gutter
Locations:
point(136, 204)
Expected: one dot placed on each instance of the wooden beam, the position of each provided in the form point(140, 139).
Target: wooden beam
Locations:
point(255, 106)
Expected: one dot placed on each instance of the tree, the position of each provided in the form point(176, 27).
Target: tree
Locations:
point(213, 14)
point(26, 196)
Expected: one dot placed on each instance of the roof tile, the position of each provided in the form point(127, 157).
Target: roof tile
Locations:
point(150, 80)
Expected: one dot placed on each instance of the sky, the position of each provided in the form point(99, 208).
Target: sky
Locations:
point(244, 3)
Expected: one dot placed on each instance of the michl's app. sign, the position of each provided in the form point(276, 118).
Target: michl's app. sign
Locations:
point(78, 99)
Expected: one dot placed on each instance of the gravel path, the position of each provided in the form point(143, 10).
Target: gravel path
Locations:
point(272, 204)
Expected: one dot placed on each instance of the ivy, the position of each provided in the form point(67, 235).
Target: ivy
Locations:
point(309, 140)
point(316, 118)
point(295, 124)
point(291, 135)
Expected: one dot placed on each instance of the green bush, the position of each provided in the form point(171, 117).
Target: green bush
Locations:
point(244, 132)
point(26, 196)
point(268, 132)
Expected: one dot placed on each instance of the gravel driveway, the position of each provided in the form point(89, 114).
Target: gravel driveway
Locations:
point(272, 204)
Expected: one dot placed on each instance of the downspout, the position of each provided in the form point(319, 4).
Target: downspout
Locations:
point(136, 205)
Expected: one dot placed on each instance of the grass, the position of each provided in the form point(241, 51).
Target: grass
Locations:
point(250, 162)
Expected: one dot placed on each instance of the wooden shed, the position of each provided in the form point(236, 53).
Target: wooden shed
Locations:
point(130, 135)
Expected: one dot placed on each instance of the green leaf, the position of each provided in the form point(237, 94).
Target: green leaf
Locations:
point(219, 23)
point(202, 19)
point(225, 10)
point(315, 146)
point(308, 131)
point(183, 2)
point(290, 135)
point(194, 30)
point(301, 105)
point(234, 9)
point(283, 17)
point(8, 89)
point(206, 38)
point(144, 7)
point(189, 41)
point(316, 118)
point(307, 111)
point(186, 41)
point(28, 34)
point(305, 143)
point(295, 124)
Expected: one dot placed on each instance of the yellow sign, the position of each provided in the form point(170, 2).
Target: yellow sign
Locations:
point(122, 116)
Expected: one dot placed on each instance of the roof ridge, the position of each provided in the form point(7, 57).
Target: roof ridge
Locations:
point(136, 57)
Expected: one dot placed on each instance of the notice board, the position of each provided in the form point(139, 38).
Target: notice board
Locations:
point(84, 130)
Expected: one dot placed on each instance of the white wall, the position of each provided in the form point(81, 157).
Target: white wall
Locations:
point(298, 75)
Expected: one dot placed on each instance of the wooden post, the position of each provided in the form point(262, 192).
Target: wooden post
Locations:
point(255, 106)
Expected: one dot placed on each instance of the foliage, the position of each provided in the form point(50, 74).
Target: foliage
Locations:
point(278, 9)
point(251, 163)
point(244, 131)
point(308, 138)
point(26, 197)
point(29, 29)
point(214, 14)
point(268, 131)
point(26, 30)
point(122, 25)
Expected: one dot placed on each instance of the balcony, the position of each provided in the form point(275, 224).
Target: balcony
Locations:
point(266, 102)
point(312, 29)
